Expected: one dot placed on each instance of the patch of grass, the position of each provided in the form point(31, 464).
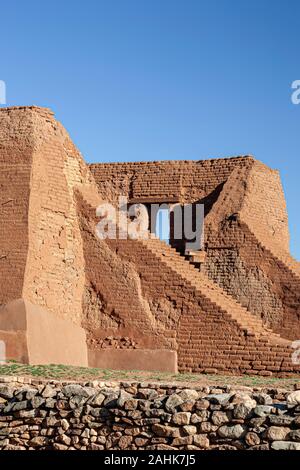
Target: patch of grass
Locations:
point(63, 372)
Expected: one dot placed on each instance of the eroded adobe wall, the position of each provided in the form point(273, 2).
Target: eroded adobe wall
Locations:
point(41, 246)
point(165, 181)
point(55, 269)
point(15, 170)
point(264, 207)
point(122, 293)
point(242, 232)
point(231, 190)
point(255, 278)
point(115, 312)
point(41, 415)
point(205, 335)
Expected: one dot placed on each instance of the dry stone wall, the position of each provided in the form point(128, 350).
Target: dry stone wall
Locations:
point(136, 416)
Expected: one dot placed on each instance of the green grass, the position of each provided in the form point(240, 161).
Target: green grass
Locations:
point(63, 372)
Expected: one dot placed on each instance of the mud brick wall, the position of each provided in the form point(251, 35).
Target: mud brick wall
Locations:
point(55, 263)
point(264, 207)
point(133, 294)
point(115, 312)
point(255, 277)
point(166, 181)
point(136, 416)
point(41, 247)
point(256, 273)
point(246, 243)
point(159, 306)
point(197, 323)
point(15, 169)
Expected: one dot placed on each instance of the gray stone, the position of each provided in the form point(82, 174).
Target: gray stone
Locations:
point(77, 401)
point(58, 446)
point(111, 400)
point(49, 392)
point(96, 400)
point(285, 445)
point(200, 416)
point(182, 418)
point(219, 398)
point(51, 421)
point(263, 398)
point(295, 435)
point(101, 439)
point(202, 404)
point(36, 402)
point(25, 413)
point(173, 401)
point(293, 399)
point(188, 395)
point(85, 433)
point(29, 393)
point(243, 398)
point(219, 417)
point(190, 429)
point(64, 424)
point(38, 441)
point(232, 432)
point(201, 440)
point(147, 393)
point(158, 402)
point(243, 410)
point(6, 392)
point(123, 397)
point(165, 431)
point(144, 405)
point(109, 390)
point(281, 420)
point(78, 390)
point(50, 403)
point(207, 427)
point(276, 433)
point(20, 405)
point(263, 410)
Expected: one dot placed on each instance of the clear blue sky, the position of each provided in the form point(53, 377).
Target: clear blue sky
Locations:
point(163, 79)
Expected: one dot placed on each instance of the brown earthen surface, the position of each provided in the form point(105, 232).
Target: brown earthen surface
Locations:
point(239, 314)
point(160, 360)
point(34, 335)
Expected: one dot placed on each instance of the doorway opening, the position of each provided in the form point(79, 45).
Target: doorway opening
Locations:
point(162, 225)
